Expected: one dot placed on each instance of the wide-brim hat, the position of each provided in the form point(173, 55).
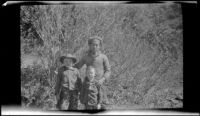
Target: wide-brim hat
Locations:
point(69, 56)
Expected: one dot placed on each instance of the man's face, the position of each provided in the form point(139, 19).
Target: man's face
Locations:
point(94, 46)
point(67, 62)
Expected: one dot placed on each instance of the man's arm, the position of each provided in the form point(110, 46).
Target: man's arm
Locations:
point(107, 68)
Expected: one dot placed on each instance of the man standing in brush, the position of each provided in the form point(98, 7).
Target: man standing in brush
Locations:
point(100, 62)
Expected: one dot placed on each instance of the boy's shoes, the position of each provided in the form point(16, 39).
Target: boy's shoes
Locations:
point(102, 107)
point(99, 106)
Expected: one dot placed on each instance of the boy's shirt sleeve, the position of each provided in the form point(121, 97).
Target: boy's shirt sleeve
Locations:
point(107, 67)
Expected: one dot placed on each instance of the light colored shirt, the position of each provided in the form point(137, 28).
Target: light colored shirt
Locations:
point(99, 62)
point(71, 78)
point(68, 77)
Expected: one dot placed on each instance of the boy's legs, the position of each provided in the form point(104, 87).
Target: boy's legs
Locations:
point(64, 95)
point(90, 107)
point(73, 100)
point(59, 102)
point(92, 98)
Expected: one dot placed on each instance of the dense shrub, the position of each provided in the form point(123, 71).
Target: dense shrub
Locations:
point(36, 88)
point(143, 43)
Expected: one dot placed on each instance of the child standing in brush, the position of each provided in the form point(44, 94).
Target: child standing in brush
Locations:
point(68, 83)
point(89, 91)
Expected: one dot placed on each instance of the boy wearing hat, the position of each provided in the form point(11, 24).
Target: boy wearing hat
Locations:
point(68, 83)
point(100, 62)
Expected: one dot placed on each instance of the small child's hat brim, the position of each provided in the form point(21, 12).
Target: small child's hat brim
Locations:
point(69, 56)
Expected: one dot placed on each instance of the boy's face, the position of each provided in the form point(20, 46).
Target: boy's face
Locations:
point(91, 73)
point(68, 62)
point(94, 46)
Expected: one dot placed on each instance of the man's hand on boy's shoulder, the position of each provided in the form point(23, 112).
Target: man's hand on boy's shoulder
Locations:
point(101, 81)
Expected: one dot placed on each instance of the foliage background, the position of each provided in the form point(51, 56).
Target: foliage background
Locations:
point(144, 44)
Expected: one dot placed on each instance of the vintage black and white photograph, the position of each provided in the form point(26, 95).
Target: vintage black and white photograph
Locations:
point(98, 56)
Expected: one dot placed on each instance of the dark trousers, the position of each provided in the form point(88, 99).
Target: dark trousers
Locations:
point(92, 94)
point(71, 96)
point(73, 100)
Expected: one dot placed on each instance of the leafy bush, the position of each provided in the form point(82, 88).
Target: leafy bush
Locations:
point(35, 87)
point(143, 43)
